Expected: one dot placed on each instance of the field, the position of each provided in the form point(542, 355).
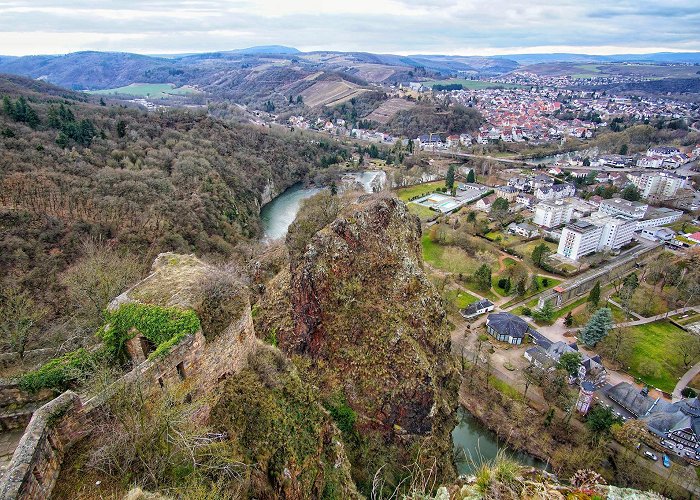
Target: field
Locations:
point(149, 90)
point(327, 93)
point(423, 213)
point(684, 226)
point(409, 192)
point(388, 109)
point(653, 355)
point(472, 84)
point(448, 258)
point(526, 249)
point(502, 238)
point(459, 298)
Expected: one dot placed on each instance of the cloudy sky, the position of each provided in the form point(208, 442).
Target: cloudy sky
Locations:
point(467, 27)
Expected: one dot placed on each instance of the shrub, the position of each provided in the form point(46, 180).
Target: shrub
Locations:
point(61, 373)
point(688, 392)
point(164, 326)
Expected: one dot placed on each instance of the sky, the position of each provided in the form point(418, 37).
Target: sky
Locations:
point(461, 27)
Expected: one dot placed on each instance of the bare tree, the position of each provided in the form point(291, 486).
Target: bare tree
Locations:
point(19, 316)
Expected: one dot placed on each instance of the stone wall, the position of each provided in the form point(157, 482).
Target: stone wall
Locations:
point(57, 425)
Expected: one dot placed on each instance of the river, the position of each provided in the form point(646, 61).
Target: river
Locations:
point(277, 215)
point(474, 444)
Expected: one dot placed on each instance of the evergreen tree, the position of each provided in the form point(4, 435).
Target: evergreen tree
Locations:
point(545, 314)
point(450, 177)
point(7, 107)
point(631, 193)
point(470, 176)
point(568, 319)
point(121, 129)
point(594, 296)
point(482, 276)
point(597, 327)
point(540, 254)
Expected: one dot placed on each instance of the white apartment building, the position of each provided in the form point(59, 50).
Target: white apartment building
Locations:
point(597, 233)
point(555, 192)
point(618, 206)
point(579, 239)
point(553, 213)
point(617, 231)
point(656, 186)
point(659, 217)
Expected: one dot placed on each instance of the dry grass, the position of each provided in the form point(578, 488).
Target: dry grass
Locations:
point(327, 93)
point(388, 109)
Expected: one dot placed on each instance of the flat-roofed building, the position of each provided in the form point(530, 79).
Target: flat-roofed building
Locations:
point(553, 213)
point(579, 239)
point(618, 206)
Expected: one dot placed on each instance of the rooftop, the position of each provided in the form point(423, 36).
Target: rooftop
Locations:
point(508, 324)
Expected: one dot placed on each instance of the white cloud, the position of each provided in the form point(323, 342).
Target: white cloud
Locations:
point(398, 26)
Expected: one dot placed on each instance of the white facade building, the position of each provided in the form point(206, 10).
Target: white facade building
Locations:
point(579, 239)
point(656, 186)
point(659, 217)
point(555, 192)
point(618, 206)
point(597, 233)
point(553, 213)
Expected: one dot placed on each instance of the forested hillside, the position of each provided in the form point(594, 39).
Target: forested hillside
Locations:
point(85, 187)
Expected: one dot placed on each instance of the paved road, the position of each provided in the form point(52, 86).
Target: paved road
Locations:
point(685, 380)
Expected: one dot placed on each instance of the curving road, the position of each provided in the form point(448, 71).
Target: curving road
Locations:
point(685, 380)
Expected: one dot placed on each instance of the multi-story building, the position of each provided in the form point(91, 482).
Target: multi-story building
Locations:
point(618, 206)
point(555, 192)
point(656, 186)
point(579, 239)
point(617, 231)
point(553, 213)
point(659, 217)
point(508, 192)
point(596, 233)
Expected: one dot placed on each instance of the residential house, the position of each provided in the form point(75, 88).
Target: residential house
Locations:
point(523, 229)
point(635, 401)
point(527, 200)
point(477, 308)
point(485, 202)
point(555, 192)
point(507, 192)
point(430, 142)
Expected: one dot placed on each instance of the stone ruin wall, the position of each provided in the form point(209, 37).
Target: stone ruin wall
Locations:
point(60, 423)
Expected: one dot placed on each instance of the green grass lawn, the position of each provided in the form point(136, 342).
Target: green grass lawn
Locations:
point(654, 356)
point(689, 228)
point(409, 192)
point(448, 258)
point(526, 249)
point(151, 90)
point(691, 318)
point(502, 238)
point(423, 213)
point(508, 262)
point(460, 298)
point(472, 84)
point(551, 282)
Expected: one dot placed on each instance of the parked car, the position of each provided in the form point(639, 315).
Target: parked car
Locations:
point(666, 461)
point(651, 456)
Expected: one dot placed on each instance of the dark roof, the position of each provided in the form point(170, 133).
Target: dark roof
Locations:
point(476, 306)
point(508, 324)
point(631, 399)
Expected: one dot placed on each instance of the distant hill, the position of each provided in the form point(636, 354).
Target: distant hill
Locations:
point(659, 57)
point(272, 73)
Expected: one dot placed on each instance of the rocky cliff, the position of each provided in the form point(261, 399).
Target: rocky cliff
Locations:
point(369, 330)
